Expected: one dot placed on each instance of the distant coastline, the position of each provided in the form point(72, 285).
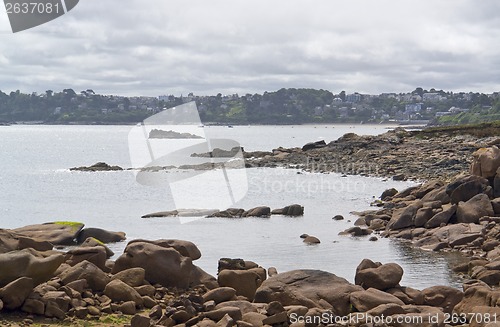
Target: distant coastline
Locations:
point(208, 124)
point(283, 107)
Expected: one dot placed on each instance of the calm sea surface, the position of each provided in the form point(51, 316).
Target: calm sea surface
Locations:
point(36, 186)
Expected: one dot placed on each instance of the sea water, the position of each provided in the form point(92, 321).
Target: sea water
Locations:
point(36, 186)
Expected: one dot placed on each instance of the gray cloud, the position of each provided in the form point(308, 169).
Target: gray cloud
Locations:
point(171, 47)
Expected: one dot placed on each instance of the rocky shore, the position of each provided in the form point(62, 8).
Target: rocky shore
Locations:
point(397, 154)
point(156, 283)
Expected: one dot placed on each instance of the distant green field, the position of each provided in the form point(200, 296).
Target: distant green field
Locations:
point(468, 118)
point(491, 128)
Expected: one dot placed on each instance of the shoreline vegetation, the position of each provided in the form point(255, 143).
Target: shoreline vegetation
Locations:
point(281, 107)
point(156, 283)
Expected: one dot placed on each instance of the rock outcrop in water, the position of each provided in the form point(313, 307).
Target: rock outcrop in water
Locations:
point(161, 134)
point(398, 154)
point(100, 166)
point(293, 210)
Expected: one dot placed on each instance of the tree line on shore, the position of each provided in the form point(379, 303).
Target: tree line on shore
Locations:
point(285, 106)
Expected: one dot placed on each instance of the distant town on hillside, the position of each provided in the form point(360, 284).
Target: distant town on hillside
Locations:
point(285, 106)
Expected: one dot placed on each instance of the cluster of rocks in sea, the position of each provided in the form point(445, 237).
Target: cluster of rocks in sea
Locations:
point(398, 154)
point(293, 210)
point(99, 166)
point(157, 284)
point(161, 134)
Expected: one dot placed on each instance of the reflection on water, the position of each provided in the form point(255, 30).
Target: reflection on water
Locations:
point(427, 265)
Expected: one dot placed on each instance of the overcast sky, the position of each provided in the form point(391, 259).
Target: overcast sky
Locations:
point(138, 47)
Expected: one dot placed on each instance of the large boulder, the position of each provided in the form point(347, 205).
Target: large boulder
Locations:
point(371, 298)
point(438, 194)
point(96, 254)
point(245, 282)
point(10, 241)
point(95, 277)
point(57, 304)
point(38, 266)
point(381, 277)
point(478, 295)
point(91, 242)
point(165, 266)
point(231, 264)
point(445, 297)
point(201, 277)
point(309, 239)
point(228, 213)
point(428, 187)
point(389, 193)
point(243, 305)
point(407, 294)
point(442, 217)
point(423, 215)
point(453, 233)
point(257, 212)
point(465, 192)
point(185, 248)
point(100, 234)
point(314, 145)
point(485, 162)
point(462, 179)
point(309, 288)
point(477, 207)
point(134, 276)
point(404, 217)
point(496, 205)
point(57, 233)
point(291, 210)
point(98, 166)
point(119, 291)
point(220, 294)
point(15, 293)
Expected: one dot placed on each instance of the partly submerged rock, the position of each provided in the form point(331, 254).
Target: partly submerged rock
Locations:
point(182, 213)
point(258, 212)
point(102, 235)
point(311, 240)
point(291, 210)
point(161, 134)
point(57, 233)
point(100, 166)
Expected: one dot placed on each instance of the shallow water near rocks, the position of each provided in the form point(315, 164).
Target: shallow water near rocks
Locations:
point(36, 186)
